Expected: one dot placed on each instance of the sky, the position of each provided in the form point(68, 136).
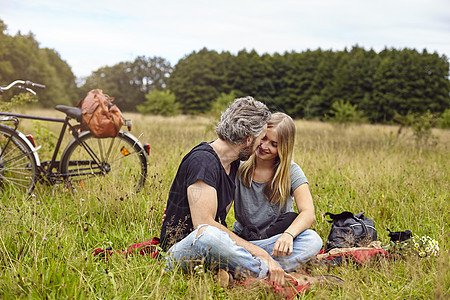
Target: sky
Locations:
point(90, 34)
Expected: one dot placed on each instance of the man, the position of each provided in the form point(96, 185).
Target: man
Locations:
point(194, 229)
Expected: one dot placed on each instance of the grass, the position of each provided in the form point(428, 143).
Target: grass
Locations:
point(401, 183)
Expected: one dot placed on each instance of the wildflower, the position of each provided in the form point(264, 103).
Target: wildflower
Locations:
point(422, 254)
point(199, 269)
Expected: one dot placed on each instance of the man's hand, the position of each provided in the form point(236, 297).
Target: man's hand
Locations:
point(284, 245)
point(163, 217)
point(276, 273)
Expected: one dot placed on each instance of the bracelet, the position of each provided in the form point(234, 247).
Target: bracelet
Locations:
point(289, 234)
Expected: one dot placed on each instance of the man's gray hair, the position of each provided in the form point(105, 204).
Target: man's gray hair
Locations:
point(243, 118)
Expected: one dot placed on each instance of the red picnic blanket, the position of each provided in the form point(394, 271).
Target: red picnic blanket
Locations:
point(289, 292)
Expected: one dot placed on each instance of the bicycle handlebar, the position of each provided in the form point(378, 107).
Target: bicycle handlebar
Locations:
point(33, 84)
point(25, 85)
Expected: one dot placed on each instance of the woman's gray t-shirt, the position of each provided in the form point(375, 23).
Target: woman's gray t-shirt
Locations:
point(251, 207)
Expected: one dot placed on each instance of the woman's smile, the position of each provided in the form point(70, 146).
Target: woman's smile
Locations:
point(261, 151)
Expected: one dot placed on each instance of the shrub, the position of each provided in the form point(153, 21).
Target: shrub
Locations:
point(444, 120)
point(421, 125)
point(159, 103)
point(345, 112)
point(221, 103)
point(45, 138)
point(17, 100)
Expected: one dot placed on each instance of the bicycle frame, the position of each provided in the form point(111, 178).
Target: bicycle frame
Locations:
point(47, 166)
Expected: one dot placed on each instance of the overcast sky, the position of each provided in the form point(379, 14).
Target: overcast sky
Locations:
point(89, 34)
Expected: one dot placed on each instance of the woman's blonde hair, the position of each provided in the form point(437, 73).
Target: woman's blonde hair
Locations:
point(278, 189)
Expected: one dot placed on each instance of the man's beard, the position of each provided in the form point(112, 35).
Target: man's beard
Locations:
point(245, 153)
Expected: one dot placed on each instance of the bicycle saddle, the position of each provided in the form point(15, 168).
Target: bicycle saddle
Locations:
point(73, 112)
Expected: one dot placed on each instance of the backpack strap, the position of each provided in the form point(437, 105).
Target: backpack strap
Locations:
point(342, 215)
point(357, 218)
point(359, 215)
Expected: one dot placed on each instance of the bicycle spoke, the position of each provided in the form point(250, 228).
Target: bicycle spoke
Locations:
point(111, 144)
point(86, 169)
point(20, 157)
point(100, 144)
point(15, 170)
point(119, 158)
point(16, 182)
point(122, 165)
point(17, 164)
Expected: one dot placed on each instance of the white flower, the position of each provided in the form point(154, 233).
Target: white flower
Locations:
point(199, 269)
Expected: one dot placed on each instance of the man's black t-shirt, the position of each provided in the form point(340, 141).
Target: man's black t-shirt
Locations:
point(202, 163)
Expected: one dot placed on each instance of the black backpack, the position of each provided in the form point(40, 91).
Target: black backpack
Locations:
point(348, 230)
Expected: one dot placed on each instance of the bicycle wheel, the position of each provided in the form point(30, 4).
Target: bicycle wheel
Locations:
point(18, 168)
point(113, 163)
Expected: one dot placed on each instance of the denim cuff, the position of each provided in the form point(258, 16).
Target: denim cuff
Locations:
point(264, 270)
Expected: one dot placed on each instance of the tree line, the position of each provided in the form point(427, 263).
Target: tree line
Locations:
point(307, 84)
point(310, 84)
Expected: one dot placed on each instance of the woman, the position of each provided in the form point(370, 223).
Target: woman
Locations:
point(267, 184)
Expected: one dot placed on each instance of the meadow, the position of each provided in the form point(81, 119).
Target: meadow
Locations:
point(401, 182)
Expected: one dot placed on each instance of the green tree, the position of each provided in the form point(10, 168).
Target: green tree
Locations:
point(151, 72)
point(197, 80)
point(22, 58)
point(129, 82)
point(6, 68)
point(116, 81)
point(322, 86)
point(302, 94)
point(407, 81)
point(352, 78)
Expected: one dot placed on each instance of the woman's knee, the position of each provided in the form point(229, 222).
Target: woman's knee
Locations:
point(315, 240)
point(309, 239)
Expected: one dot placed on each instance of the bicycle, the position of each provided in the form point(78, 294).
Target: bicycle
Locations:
point(121, 160)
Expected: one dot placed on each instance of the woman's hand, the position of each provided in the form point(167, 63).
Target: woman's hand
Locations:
point(284, 245)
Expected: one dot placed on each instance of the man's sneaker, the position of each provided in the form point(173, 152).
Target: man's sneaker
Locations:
point(223, 277)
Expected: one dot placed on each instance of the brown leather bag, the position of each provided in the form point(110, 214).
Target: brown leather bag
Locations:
point(99, 115)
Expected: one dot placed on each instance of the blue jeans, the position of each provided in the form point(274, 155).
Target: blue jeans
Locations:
point(306, 245)
point(214, 248)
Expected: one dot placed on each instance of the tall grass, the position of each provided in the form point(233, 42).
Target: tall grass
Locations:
point(46, 239)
